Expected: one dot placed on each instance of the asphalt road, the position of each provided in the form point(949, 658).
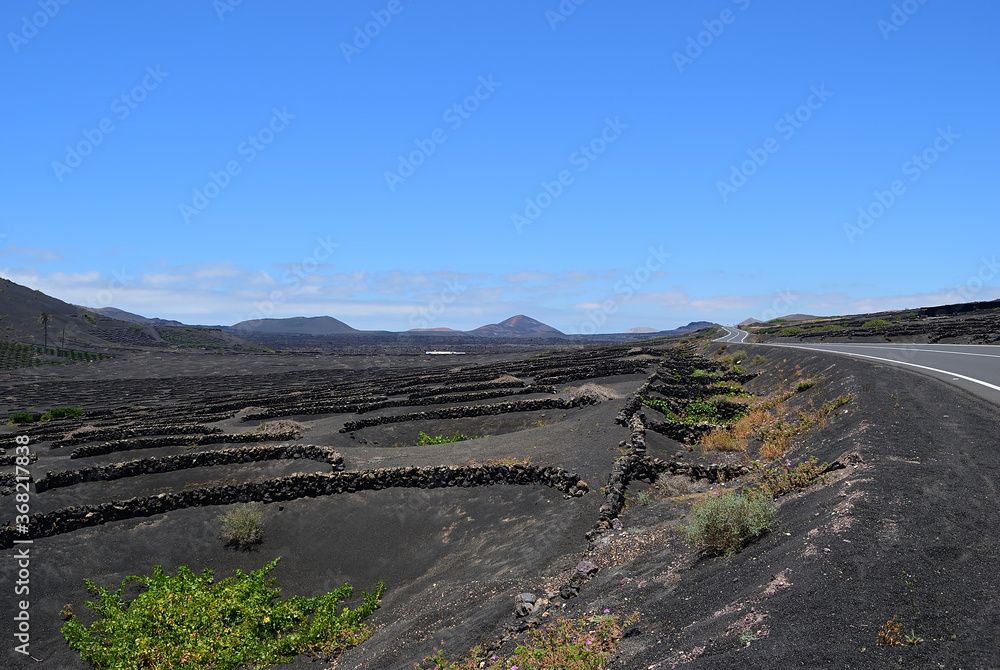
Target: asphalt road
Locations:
point(973, 367)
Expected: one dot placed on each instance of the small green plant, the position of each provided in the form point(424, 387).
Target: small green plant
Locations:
point(91, 318)
point(62, 413)
point(20, 418)
point(66, 613)
point(875, 323)
point(838, 402)
point(891, 635)
point(423, 438)
point(191, 621)
point(726, 522)
point(241, 526)
point(757, 360)
point(804, 386)
point(643, 498)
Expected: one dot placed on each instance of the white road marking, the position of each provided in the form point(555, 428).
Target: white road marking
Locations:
point(730, 335)
point(890, 360)
point(915, 347)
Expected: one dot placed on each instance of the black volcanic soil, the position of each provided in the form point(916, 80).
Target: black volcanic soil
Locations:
point(907, 529)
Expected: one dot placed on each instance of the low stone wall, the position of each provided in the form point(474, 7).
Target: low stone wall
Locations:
point(293, 487)
point(363, 408)
point(461, 388)
point(10, 459)
point(471, 411)
point(635, 466)
point(179, 440)
point(607, 369)
point(154, 464)
point(678, 391)
point(682, 432)
point(128, 432)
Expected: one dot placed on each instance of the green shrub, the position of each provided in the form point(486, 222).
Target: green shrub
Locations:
point(757, 360)
point(791, 330)
point(91, 318)
point(62, 413)
point(804, 386)
point(700, 412)
point(726, 522)
point(828, 329)
point(241, 526)
point(875, 323)
point(188, 621)
point(423, 438)
point(19, 418)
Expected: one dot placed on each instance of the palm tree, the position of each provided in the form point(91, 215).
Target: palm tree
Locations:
point(43, 319)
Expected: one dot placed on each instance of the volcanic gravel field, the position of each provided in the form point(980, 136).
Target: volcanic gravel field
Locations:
point(904, 525)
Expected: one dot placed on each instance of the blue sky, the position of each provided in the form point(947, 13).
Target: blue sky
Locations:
point(608, 165)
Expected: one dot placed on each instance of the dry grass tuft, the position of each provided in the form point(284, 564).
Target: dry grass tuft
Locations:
point(775, 448)
point(82, 430)
point(595, 391)
point(279, 427)
point(723, 440)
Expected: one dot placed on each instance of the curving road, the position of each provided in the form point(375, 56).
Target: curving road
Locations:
point(973, 367)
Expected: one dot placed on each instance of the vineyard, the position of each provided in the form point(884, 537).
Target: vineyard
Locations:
point(14, 355)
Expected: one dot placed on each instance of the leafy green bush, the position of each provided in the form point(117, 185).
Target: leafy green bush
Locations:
point(804, 386)
point(91, 318)
point(874, 323)
point(424, 438)
point(19, 418)
point(241, 526)
point(62, 413)
point(189, 621)
point(757, 360)
point(828, 329)
point(700, 412)
point(727, 522)
point(791, 330)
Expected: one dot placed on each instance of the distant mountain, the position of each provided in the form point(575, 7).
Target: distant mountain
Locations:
point(129, 317)
point(517, 326)
point(297, 325)
point(75, 327)
point(749, 322)
point(799, 317)
point(436, 331)
point(641, 329)
point(690, 328)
